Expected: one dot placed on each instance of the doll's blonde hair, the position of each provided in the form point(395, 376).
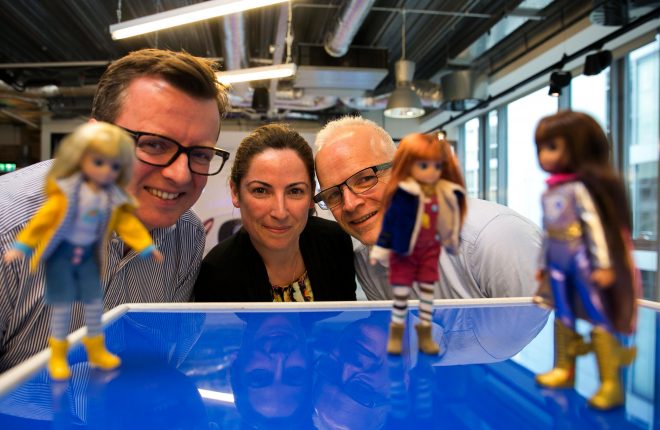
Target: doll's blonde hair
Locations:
point(100, 137)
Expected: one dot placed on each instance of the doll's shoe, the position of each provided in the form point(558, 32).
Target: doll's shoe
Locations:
point(568, 345)
point(58, 366)
point(395, 341)
point(97, 354)
point(610, 357)
point(425, 340)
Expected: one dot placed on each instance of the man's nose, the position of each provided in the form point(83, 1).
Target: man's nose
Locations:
point(178, 172)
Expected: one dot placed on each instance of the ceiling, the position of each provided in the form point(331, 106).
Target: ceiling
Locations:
point(52, 53)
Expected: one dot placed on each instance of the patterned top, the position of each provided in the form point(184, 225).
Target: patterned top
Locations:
point(299, 290)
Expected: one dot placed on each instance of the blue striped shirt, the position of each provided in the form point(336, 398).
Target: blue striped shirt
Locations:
point(25, 318)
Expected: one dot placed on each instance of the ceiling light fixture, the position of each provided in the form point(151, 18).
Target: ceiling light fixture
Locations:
point(558, 80)
point(277, 71)
point(597, 62)
point(184, 15)
point(404, 102)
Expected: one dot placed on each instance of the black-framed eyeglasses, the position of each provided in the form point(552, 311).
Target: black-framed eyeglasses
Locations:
point(362, 181)
point(161, 151)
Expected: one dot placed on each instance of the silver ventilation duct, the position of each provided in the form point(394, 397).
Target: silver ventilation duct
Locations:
point(234, 48)
point(347, 22)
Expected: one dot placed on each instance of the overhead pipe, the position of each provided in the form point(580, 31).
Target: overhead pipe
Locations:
point(234, 47)
point(347, 22)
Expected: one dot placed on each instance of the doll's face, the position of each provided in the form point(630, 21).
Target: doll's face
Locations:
point(426, 171)
point(100, 169)
point(553, 157)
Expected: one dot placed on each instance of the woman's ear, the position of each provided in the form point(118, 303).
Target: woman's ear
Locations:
point(234, 195)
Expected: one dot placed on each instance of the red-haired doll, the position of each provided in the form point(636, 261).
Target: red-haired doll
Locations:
point(426, 208)
point(587, 252)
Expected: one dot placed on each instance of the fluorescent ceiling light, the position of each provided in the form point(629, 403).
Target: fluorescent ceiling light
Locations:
point(185, 15)
point(257, 73)
point(216, 395)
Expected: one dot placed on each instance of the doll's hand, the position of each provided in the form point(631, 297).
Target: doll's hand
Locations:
point(604, 278)
point(12, 255)
point(539, 275)
point(379, 255)
point(156, 255)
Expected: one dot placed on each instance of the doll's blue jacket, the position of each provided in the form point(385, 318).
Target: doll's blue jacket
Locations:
point(403, 219)
point(51, 223)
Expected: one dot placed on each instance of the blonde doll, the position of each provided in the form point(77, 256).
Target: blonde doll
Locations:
point(85, 204)
point(426, 208)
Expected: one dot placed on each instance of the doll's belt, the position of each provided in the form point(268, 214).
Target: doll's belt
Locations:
point(571, 232)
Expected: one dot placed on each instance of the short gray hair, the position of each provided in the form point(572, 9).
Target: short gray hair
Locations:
point(331, 129)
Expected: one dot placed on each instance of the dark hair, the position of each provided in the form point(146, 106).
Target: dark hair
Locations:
point(588, 152)
point(586, 143)
point(271, 136)
point(193, 75)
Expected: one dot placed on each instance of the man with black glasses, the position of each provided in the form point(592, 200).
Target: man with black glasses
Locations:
point(498, 249)
point(171, 103)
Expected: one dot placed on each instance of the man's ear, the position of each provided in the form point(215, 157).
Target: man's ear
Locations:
point(234, 195)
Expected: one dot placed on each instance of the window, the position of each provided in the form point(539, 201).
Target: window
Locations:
point(525, 179)
point(472, 157)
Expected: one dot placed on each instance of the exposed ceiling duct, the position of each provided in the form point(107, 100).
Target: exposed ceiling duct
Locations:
point(347, 22)
point(234, 48)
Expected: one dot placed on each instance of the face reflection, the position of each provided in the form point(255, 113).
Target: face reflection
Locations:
point(355, 149)
point(275, 368)
point(355, 394)
point(154, 106)
point(274, 197)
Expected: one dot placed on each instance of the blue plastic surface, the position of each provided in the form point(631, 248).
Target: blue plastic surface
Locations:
point(310, 369)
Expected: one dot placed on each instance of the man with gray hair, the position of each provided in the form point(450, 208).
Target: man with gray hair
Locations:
point(498, 249)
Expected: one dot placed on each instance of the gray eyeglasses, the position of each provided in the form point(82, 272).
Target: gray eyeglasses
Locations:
point(362, 181)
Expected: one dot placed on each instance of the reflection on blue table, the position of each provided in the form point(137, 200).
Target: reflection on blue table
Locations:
point(316, 370)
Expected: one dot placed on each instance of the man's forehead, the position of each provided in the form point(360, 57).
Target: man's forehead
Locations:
point(357, 138)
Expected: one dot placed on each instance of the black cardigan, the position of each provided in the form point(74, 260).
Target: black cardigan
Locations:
point(233, 271)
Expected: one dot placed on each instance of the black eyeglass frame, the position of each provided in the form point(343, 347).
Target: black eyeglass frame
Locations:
point(377, 168)
point(180, 150)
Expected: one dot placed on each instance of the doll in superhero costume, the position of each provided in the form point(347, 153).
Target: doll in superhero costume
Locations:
point(425, 201)
point(586, 258)
point(70, 233)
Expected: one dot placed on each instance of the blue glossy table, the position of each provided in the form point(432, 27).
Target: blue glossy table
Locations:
point(325, 366)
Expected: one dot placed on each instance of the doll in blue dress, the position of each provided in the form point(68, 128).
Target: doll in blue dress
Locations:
point(586, 258)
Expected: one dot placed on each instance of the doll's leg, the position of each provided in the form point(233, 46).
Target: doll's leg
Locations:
point(58, 365)
point(94, 342)
point(398, 321)
point(610, 354)
point(568, 344)
point(424, 328)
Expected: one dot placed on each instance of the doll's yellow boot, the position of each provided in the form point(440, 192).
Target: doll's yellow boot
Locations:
point(568, 345)
point(97, 354)
point(58, 365)
point(425, 340)
point(395, 340)
point(610, 357)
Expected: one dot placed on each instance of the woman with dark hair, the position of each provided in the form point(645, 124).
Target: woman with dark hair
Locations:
point(587, 257)
point(281, 252)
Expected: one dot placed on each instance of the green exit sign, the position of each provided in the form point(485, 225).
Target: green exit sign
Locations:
point(7, 167)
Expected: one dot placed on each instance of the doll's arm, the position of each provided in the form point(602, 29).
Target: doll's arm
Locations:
point(135, 235)
point(603, 274)
point(36, 229)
